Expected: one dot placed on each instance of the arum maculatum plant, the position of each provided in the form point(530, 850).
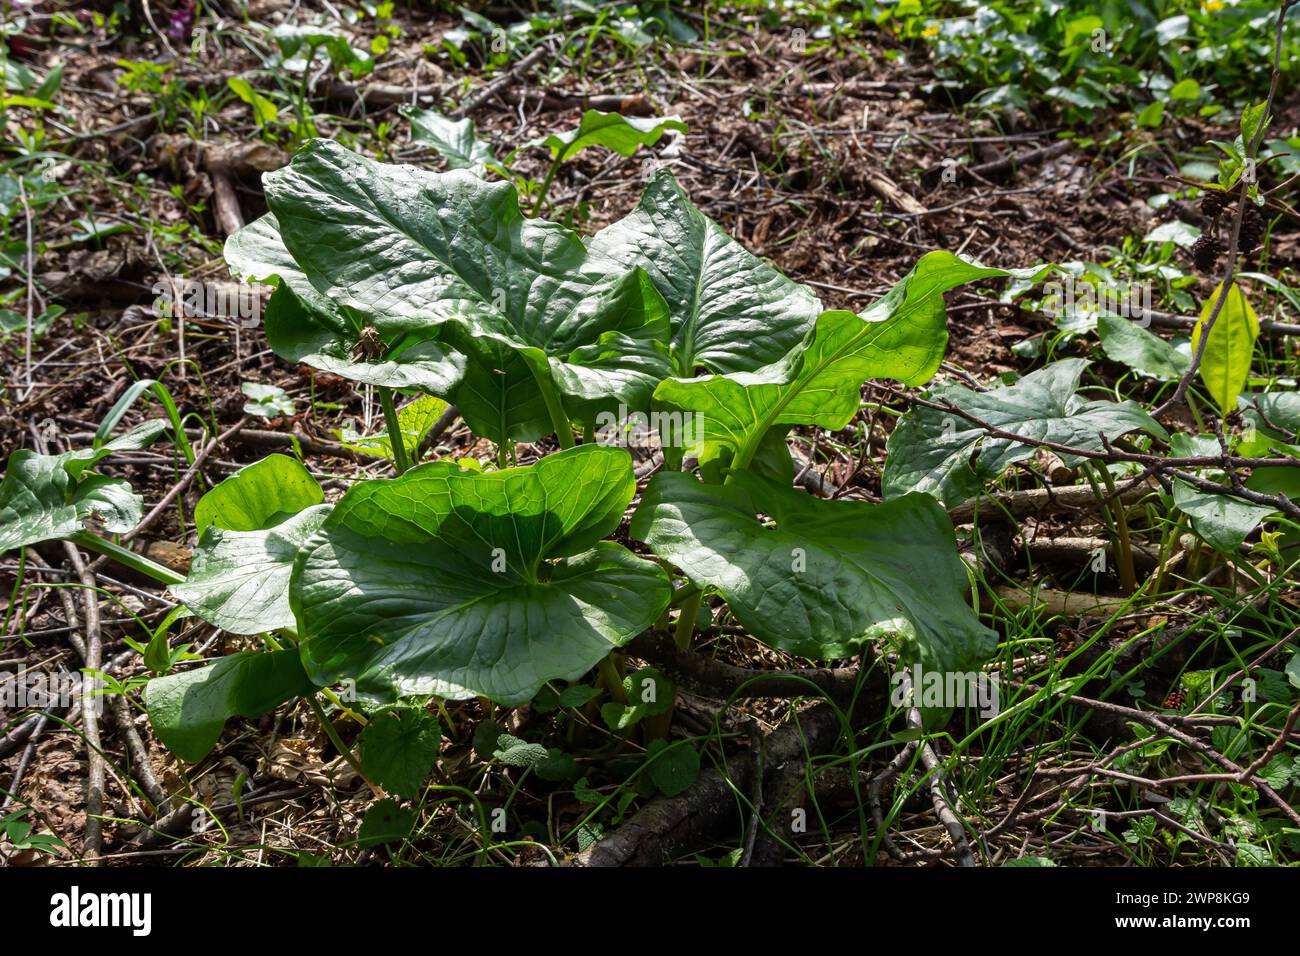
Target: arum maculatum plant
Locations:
point(457, 580)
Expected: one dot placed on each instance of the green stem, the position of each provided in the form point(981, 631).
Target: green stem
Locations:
point(1123, 544)
point(347, 711)
point(546, 184)
point(127, 558)
point(559, 418)
point(686, 620)
point(400, 460)
point(744, 455)
point(344, 750)
point(305, 126)
point(683, 593)
point(612, 679)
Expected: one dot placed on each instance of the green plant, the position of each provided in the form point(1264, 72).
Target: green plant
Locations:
point(296, 49)
point(20, 836)
point(587, 328)
point(457, 141)
point(454, 582)
point(46, 497)
point(1151, 56)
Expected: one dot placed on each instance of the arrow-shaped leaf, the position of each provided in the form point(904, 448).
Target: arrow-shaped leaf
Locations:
point(730, 311)
point(903, 337)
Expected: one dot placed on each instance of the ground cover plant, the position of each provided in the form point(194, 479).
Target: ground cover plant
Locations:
point(612, 434)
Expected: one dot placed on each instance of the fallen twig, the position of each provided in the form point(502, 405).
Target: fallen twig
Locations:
point(941, 801)
point(89, 717)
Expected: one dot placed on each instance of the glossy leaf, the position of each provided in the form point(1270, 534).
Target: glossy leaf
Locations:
point(821, 577)
point(730, 311)
point(43, 497)
point(303, 325)
point(1225, 366)
point(455, 140)
point(459, 583)
point(33, 501)
point(623, 134)
point(188, 710)
point(239, 580)
point(1126, 342)
point(414, 250)
point(258, 496)
point(901, 337)
point(1222, 521)
point(108, 504)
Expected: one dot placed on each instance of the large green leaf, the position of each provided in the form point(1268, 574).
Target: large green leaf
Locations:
point(1124, 341)
point(239, 580)
point(1221, 520)
point(730, 311)
point(623, 134)
point(188, 710)
point(534, 310)
point(902, 337)
point(459, 583)
point(455, 140)
point(258, 496)
point(43, 497)
point(1225, 364)
point(303, 325)
point(820, 577)
point(945, 455)
point(34, 502)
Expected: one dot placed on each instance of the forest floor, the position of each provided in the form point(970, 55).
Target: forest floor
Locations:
point(841, 164)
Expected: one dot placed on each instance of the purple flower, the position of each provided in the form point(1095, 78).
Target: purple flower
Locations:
point(182, 21)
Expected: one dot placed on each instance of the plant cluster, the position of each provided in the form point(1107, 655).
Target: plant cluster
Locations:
point(493, 581)
point(1085, 57)
point(458, 579)
point(512, 579)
